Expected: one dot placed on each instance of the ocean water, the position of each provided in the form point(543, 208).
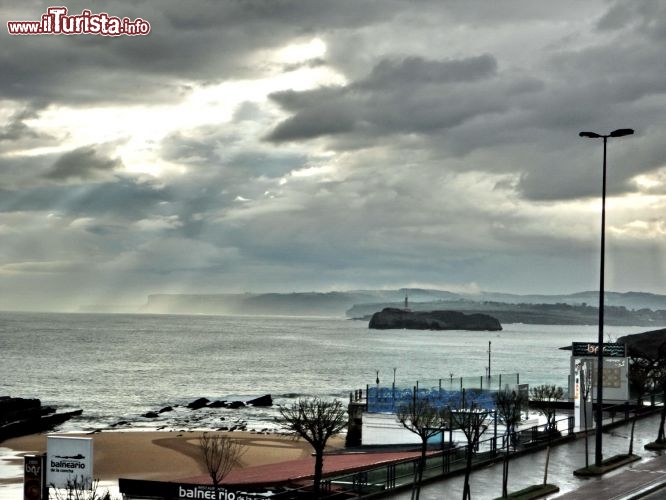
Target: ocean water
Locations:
point(117, 367)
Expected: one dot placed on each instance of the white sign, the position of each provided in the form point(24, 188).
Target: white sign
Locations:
point(69, 459)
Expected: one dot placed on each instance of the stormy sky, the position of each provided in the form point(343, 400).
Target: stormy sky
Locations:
point(313, 145)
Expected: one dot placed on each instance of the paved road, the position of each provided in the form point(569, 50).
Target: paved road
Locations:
point(527, 470)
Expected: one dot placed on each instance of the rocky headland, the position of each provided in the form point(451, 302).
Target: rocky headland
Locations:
point(393, 318)
point(21, 416)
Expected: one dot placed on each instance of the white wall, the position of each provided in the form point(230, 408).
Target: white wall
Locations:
point(384, 428)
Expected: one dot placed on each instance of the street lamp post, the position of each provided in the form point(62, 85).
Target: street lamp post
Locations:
point(598, 456)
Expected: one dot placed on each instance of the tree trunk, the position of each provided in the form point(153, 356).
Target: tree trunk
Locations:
point(417, 490)
point(319, 468)
point(467, 495)
point(505, 473)
point(631, 439)
point(545, 469)
point(422, 464)
point(418, 479)
point(661, 438)
point(587, 459)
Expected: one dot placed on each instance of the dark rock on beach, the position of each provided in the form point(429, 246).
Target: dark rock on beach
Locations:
point(198, 403)
point(266, 400)
point(150, 414)
point(393, 318)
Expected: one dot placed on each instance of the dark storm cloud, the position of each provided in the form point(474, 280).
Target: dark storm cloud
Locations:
point(295, 14)
point(17, 129)
point(83, 163)
point(205, 42)
point(422, 141)
point(78, 70)
point(598, 88)
point(294, 101)
point(122, 198)
point(418, 71)
point(24, 172)
point(646, 18)
point(324, 119)
point(399, 96)
point(208, 41)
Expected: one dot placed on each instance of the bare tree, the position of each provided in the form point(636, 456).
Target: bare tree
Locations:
point(220, 454)
point(424, 420)
point(544, 398)
point(586, 383)
point(640, 382)
point(315, 421)
point(508, 405)
point(471, 421)
point(659, 380)
point(80, 488)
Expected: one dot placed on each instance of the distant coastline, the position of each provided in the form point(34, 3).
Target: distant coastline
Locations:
point(622, 309)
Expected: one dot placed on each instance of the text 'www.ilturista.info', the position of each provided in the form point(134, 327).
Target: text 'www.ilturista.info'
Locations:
point(56, 22)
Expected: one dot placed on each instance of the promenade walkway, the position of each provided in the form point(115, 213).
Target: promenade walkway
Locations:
point(629, 482)
point(625, 483)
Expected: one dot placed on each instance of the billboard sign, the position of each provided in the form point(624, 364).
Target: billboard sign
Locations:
point(611, 349)
point(135, 489)
point(69, 459)
point(34, 478)
point(615, 373)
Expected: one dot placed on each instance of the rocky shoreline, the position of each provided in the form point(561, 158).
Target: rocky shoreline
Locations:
point(228, 423)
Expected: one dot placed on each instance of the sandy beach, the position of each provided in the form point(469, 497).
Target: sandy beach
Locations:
point(160, 455)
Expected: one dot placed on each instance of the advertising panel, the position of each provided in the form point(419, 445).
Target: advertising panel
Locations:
point(615, 373)
point(136, 489)
point(34, 478)
point(611, 349)
point(69, 459)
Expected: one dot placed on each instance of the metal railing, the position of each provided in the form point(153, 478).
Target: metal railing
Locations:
point(450, 459)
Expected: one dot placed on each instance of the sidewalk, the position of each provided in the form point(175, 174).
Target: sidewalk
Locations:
point(529, 469)
point(625, 484)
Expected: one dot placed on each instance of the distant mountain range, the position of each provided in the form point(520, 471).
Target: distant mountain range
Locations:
point(631, 308)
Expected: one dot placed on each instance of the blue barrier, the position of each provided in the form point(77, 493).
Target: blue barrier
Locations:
point(389, 399)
